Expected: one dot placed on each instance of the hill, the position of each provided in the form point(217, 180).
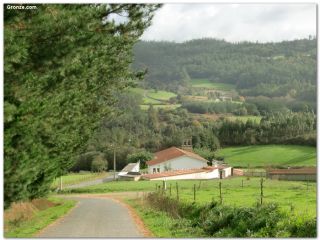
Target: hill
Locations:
point(284, 71)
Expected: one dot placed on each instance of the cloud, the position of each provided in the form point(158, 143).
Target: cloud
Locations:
point(233, 22)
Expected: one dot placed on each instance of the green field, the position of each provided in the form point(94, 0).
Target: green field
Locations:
point(205, 83)
point(295, 199)
point(269, 155)
point(161, 95)
point(150, 96)
point(285, 193)
point(74, 178)
point(244, 119)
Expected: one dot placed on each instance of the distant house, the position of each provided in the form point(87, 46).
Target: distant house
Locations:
point(175, 159)
point(293, 174)
point(131, 167)
point(199, 173)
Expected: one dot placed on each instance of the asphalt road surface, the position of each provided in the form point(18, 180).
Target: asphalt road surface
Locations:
point(94, 217)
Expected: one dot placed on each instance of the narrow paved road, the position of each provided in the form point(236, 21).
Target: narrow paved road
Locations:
point(94, 217)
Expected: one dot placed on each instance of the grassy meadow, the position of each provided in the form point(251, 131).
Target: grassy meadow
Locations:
point(205, 83)
point(285, 193)
point(269, 155)
point(160, 95)
point(74, 178)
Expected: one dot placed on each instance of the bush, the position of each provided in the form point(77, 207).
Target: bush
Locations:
point(240, 221)
point(99, 164)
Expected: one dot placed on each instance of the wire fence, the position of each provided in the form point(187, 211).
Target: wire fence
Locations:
point(245, 191)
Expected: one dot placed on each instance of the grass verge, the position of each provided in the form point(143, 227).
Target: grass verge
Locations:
point(23, 227)
point(168, 217)
point(161, 224)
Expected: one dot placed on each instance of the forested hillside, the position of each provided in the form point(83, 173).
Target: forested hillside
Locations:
point(284, 71)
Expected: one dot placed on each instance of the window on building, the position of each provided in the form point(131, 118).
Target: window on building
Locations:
point(158, 169)
point(154, 170)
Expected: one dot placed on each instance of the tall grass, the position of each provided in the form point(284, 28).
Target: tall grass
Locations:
point(25, 219)
point(218, 220)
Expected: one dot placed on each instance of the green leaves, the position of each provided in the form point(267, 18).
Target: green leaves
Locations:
point(62, 66)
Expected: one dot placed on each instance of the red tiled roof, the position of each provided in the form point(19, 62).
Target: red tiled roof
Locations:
point(295, 171)
point(170, 153)
point(178, 172)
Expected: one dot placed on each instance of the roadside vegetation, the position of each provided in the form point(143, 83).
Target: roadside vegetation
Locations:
point(26, 219)
point(218, 220)
point(269, 155)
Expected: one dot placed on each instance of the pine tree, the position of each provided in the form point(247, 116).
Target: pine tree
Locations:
point(62, 64)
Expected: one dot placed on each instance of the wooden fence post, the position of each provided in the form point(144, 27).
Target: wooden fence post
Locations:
point(170, 189)
point(220, 192)
point(177, 187)
point(242, 183)
point(261, 190)
point(156, 187)
point(194, 193)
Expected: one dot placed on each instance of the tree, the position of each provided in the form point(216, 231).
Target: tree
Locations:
point(99, 163)
point(62, 66)
point(143, 157)
point(153, 118)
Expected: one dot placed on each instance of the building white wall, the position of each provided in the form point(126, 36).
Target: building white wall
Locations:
point(183, 162)
point(201, 175)
point(227, 171)
point(136, 168)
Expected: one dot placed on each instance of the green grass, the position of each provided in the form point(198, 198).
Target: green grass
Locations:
point(150, 96)
point(283, 192)
point(205, 83)
point(161, 95)
point(41, 219)
point(161, 224)
point(269, 155)
point(244, 119)
point(74, 178)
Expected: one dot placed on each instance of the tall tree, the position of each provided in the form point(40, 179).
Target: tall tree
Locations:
point(62, 64)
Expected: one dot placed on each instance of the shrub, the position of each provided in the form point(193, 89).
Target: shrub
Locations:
point(99, 164)
point(218, 220)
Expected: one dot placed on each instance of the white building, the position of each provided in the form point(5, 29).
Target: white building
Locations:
point(175, 159)
point(217, 172)
point(131, 167)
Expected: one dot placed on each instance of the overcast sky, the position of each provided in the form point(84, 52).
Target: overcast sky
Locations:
point(233, 22)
